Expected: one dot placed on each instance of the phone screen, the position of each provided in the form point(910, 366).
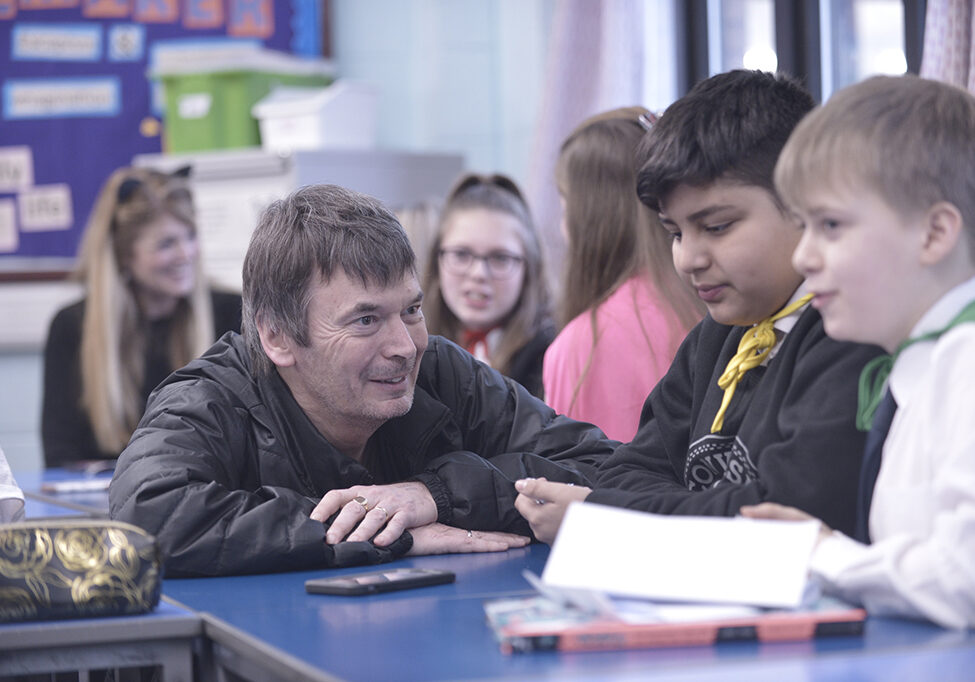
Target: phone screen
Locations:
point(379, 581)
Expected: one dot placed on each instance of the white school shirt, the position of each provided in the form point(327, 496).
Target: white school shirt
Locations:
point(784, 325)
point(922, 517)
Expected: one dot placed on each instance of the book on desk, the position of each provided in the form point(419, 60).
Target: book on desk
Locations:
point(719, 582)
point(539, 623)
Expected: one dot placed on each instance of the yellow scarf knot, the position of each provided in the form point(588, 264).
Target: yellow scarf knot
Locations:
point(753, 348)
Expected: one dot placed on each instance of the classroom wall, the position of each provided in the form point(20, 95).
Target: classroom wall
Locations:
point(25, 312)
point(424, 56)
point(20, 409)
point(454, 75)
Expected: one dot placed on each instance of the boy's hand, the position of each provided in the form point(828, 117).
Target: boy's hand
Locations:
point(543, 504)
point(771, 510)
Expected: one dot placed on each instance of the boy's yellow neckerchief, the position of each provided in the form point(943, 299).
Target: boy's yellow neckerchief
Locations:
point(752, 350)
point(874, 375)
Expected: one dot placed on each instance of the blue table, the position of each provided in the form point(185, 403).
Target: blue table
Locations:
point(263, 625)
point(39, 503)
point(40, 509)
point(267, 627)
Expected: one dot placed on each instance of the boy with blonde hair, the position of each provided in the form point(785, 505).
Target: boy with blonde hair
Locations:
point(883, 180)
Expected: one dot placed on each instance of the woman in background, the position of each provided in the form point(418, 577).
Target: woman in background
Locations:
point(485, 283)
point(420, 220)
point(624, 309)
point(146, 312)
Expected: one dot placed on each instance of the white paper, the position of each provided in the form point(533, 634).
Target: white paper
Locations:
point(62, 97)
point(16, 168)
point(715, 560)
point(9, 239)
point(45, 207)
point(641, 611)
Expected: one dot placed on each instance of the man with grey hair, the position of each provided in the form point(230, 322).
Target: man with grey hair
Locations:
point(319, 438)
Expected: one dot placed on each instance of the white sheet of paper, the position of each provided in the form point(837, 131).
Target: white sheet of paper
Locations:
point(717, 560)
point(45, 207)
point(16, 168)
point(9, 237)
point(642, 611)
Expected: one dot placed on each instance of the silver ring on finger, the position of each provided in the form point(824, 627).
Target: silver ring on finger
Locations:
point(470, 535)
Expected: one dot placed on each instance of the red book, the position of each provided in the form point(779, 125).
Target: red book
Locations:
point(540, 624)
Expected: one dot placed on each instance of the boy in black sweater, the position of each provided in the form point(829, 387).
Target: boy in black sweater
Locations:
point(759, 403)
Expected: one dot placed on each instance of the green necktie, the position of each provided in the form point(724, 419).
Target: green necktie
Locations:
point(873, 378)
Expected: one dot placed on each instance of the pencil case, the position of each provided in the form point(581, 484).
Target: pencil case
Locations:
point(77, 568)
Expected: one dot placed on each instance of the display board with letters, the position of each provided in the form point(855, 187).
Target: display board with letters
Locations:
point(76, 101)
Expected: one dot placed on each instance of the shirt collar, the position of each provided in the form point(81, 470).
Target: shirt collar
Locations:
point(484, 345)
point(786, 324)
point(913, 361)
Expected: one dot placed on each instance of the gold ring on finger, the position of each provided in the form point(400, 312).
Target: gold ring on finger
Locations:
point(361, 501)
point(383, 510)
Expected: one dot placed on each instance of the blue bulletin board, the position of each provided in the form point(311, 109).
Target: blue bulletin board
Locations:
point(76, 102)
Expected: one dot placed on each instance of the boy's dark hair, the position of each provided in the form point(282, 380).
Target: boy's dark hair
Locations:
point(730, 126)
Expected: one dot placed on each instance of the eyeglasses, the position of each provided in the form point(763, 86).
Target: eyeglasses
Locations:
point(500, 264)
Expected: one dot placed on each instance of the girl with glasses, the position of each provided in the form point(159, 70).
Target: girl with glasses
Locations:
point(485, 285)
point(146, 311)
point(623, 308)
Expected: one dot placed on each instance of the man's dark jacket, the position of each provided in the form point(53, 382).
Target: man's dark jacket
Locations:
point(225, 467)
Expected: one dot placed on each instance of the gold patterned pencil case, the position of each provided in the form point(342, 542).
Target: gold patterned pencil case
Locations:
point(74, 568)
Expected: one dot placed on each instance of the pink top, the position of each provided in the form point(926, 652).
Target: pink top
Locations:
point(637, 342)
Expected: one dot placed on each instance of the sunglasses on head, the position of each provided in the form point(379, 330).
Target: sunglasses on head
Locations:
point(129, 186)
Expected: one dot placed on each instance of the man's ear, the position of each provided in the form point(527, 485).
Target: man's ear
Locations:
point(276, 344)
point(943, 228)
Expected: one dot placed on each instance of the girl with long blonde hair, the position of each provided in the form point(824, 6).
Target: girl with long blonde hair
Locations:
point(623, 309)
point(146, 311)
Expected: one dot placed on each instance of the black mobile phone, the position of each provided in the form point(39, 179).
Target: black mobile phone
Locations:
point(379, 581)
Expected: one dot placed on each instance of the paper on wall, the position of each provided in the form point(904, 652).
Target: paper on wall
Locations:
point(45, 207)
point(9, 238)
point(16, 168)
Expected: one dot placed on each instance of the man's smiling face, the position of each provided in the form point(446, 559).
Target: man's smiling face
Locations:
point(363, 355)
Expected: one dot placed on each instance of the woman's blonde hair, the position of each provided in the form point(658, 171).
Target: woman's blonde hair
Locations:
point(532, 311)
point(612, 236)
point(113, 334)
